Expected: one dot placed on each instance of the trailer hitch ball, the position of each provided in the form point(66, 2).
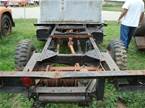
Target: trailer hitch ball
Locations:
point(27, 82)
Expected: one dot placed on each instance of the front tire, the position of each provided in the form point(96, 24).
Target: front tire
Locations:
point(24, 51)
point(118, 53)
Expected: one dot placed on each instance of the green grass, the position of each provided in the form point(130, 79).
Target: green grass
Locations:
point(112, 7)
point(24, 29)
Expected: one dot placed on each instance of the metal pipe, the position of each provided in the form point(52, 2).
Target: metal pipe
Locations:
point(70, 45)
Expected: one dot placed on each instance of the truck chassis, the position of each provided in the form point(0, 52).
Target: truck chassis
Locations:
point(76, 75)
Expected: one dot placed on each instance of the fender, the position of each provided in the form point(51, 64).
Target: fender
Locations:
point(7, 11)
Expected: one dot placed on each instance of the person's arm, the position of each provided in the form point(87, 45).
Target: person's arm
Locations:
point(141, 18)
point(125, 8)
point(123, 13)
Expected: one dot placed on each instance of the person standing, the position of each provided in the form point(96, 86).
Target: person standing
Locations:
point(131, 17)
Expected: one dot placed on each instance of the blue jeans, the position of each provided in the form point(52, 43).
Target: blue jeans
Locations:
point(126, 33)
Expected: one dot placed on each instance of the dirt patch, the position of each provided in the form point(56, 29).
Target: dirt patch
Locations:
point(121, 105)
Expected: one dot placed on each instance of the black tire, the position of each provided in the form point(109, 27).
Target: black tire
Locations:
point(6, 25)
point(24, 51)
point(118, 53)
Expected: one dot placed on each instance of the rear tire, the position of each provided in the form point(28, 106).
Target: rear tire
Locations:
point(118, 53)
point(24, 51)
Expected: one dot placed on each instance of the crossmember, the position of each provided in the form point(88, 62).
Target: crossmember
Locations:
point(70, 74)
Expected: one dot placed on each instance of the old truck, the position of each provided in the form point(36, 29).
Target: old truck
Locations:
point(6, 21)
point(78, 74)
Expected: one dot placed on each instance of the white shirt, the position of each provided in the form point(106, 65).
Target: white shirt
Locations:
point(135, 8)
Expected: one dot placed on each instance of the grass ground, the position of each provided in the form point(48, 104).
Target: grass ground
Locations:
point(112, 6)
point(24, 29)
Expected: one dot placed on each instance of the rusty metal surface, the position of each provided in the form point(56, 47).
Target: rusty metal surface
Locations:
point(62, 99)
point(71, 36)
point(97, 51)
point(67, 22)
point(110, 62)
point(93, 74)
point(70, 45)
point(32, 62)
point(73, 68)
point(59, 90)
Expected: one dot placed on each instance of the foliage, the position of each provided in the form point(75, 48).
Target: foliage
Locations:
point(134, 99)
